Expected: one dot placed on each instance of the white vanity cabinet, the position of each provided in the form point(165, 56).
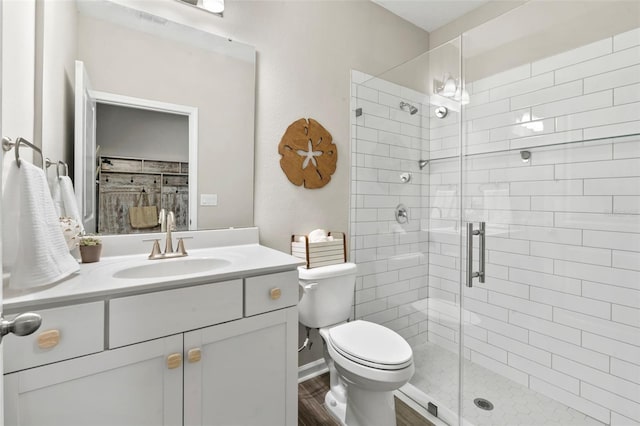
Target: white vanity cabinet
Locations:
point(243, 372)
point(130, 386)
point(222, 353)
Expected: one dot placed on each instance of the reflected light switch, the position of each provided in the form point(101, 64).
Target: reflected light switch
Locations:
point(208, 199)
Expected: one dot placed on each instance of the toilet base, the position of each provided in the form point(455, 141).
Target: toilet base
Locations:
point(367, 408)
point(337, 409)
point(363, 408)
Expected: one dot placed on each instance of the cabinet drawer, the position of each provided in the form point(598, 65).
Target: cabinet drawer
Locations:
point(66, 332)
point(270, 292)
point(149, 316)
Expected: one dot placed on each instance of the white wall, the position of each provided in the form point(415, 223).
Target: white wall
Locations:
point(18, 23)
point(478, 16)
point(55, 107)
point(341, 36)
point(138, 133)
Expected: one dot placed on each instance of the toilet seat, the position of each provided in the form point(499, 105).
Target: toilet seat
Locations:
point(371, 345)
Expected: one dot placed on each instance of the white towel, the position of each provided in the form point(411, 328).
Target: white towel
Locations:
point(64, 200)
point(318, 236)
point(69, 202)
point(56, 195)
point(35, 251)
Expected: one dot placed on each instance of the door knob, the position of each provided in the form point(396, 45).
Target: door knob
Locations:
point(22, 325)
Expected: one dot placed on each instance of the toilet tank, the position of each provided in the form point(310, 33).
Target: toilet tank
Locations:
point(327, 294)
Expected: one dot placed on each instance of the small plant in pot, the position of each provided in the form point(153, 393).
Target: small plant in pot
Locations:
point(90, 248)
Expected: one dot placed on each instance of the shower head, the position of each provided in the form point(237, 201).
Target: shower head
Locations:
point(405, 106)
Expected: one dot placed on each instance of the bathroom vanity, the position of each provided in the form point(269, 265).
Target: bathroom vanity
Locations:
point(131, 341)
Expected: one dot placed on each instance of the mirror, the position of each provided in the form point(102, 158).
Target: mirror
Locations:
point(152, 67)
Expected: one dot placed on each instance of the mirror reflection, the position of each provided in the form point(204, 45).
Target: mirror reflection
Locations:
point(135, 192)
point(164, 114)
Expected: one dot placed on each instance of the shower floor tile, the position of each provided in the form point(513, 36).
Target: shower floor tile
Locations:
point(437, 376)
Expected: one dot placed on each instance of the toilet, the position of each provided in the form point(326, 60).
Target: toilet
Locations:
point(366, 361)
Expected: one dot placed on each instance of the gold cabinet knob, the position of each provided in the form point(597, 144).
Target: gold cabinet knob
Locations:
point(275, 293)
point(48, 339)
point(194, 355)
point(174, 361)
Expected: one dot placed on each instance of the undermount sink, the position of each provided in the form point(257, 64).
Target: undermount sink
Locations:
point(171, 267)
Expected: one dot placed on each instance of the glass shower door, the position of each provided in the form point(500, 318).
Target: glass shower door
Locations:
point(436, 383)
point(550, 164)
point(405, 215)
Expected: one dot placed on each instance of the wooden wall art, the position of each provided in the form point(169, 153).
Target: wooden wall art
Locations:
point(309, 156)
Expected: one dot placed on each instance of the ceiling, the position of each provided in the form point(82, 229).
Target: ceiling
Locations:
point(430, 14)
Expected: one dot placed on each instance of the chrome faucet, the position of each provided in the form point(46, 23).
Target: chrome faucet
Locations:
point(168, 248)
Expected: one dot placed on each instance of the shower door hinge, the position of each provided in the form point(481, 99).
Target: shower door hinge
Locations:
point(358, 112)
point(432, 409)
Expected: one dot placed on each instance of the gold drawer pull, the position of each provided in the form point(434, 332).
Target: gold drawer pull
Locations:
point(194, 355)
point(174, 361)
point(275, 293)
point(48, 339)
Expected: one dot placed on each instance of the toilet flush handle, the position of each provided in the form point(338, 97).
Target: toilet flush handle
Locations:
point(309, 287)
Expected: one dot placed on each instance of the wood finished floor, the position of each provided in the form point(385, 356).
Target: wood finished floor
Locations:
point(311, 410)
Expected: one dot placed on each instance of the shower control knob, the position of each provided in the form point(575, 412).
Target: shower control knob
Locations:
point(402, 214)
point(22, 325)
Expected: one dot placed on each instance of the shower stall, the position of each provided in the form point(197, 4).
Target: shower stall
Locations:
point(495, 216)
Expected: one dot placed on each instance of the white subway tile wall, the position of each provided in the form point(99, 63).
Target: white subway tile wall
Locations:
point(391, 257)
point(560, 309)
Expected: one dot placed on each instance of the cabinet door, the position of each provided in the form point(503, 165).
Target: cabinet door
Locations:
point(129, 386)
point(246, 373)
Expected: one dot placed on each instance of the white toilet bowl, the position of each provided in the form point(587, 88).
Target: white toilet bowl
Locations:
point(366, 361)
point(372, 361)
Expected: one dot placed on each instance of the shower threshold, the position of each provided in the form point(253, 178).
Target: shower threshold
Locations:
point(436, 381)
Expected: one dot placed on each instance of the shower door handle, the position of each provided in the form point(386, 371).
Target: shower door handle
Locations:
point(481, 233)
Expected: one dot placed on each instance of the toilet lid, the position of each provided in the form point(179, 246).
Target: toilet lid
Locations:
point(371, 344)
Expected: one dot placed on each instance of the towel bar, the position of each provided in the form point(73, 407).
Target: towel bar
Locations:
point(7, 144)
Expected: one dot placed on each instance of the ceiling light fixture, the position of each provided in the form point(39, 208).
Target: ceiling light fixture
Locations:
point(215, 6)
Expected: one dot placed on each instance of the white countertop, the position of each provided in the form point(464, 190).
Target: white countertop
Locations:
point(95, 281)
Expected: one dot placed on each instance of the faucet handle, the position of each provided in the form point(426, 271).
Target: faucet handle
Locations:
point(155, 251)
point(181, 249)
